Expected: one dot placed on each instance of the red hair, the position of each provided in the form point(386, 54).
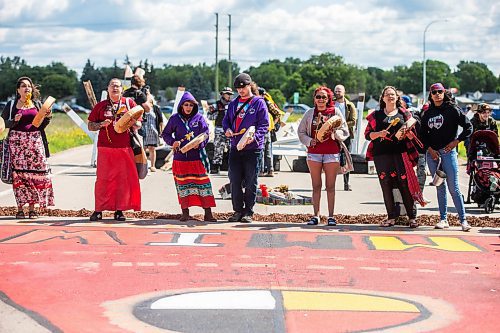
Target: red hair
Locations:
point(329, 93)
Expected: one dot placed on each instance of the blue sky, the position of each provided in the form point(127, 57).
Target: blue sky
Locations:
point(380, 33)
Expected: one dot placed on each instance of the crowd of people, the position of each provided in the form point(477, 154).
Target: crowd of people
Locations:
point(402, 140)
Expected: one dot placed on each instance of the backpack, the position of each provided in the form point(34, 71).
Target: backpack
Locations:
point(6, 165)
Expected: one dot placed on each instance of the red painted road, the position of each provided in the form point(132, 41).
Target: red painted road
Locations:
point(75, 278)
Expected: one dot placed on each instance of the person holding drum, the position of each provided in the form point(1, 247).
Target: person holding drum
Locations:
point(28, 149)
point(322, 138)
point(394, 156)
point(187, 133)
point(117, 184)
point(246, 124)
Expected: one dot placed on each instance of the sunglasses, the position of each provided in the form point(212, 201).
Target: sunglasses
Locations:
point(321, 97)
point(434, 92)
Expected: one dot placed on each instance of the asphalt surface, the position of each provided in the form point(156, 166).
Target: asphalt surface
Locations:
point(70, 275)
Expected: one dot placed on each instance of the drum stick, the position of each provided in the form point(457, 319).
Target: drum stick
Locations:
point(87, 85)
point(242, 131)
point(393, 122)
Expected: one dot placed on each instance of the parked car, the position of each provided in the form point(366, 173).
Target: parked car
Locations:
point(79, 108)
point(56, 107)
point(167, 109)
point(297, 108)
point(495, 112)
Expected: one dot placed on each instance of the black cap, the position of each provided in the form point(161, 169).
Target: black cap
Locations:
point(242, 80)
point(227, 90)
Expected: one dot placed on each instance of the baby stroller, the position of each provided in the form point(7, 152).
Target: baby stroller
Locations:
point(482, 167)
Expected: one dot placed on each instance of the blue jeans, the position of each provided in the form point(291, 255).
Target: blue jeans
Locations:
point(449, 164)
point(244, 170)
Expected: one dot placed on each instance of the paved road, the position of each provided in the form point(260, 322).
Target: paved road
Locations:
point(68, 275)
point(74, 185)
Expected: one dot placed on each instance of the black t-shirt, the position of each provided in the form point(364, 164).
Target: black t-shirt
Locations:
point(136, 94)
point(391, 145)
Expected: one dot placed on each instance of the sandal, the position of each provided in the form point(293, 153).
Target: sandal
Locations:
point(20, 214)
point(33, 215)
point(388, 223)
point(313, 221)
point(413, 223)
point(96, 216)
point(331, 221)
point(119, 216)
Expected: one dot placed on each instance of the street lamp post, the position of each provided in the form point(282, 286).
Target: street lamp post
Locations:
point(424, 84)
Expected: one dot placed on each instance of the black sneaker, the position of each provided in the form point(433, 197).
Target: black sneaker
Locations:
point(236, 217)
point(331, 222)
point(215, 170)
point(347, 187)
point(313, 221)
point(247, 219)
point(119, 216)
point(96, 216)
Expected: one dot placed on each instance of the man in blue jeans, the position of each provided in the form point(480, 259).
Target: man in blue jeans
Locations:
point(243, 112)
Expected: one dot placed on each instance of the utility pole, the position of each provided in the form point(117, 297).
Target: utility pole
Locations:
point(424, 63)
point(229, 59)
point(216, 54)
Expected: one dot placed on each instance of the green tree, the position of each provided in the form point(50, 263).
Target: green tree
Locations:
point(293, 84)
point(474, 76)
point(277, 96)
point(97, 78)
point(113, 71)
point(199, 87)
point(375, 81)
point(58, 85)
point(438, 71)
point(268, 75)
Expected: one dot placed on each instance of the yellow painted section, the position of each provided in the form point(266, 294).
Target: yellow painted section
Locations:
point(317, 301)
point(451, 244)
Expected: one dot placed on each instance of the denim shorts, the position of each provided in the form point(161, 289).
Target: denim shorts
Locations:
point(324, 158)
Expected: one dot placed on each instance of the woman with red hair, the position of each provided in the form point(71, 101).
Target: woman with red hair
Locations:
point(322, 155)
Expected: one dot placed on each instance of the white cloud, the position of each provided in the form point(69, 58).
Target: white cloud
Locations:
point(380, 33)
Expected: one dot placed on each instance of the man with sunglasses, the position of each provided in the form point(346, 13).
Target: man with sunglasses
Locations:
point(348, 110)
point(243, 112)
point(438, 133)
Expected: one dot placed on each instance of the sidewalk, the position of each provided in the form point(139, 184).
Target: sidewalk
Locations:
point(73, 181)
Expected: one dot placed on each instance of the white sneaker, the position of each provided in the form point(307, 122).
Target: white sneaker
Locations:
point(442, 224)
point(466, 226)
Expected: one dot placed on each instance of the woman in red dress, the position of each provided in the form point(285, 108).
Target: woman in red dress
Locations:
point(117, 185)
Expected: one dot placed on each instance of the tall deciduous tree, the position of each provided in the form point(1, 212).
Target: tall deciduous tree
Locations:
point(474, 76)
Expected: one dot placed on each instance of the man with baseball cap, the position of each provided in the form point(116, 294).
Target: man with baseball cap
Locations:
point(242, 113)
point(217, 111)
